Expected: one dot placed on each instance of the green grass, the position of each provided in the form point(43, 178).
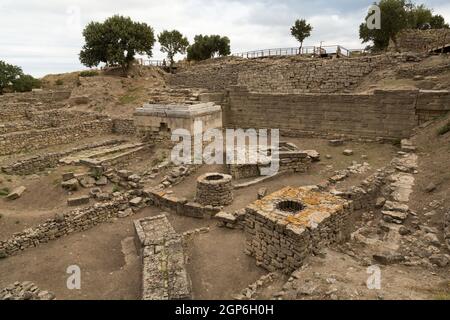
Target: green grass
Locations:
point(130, 96)
point(4, 192)
point(445, 129)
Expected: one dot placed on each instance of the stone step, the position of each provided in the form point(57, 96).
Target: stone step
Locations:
point(98, 153)
point(111, 158)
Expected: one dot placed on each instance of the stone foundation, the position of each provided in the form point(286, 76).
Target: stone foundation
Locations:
point(164, 276)
point(286, 227)
point(215, 189)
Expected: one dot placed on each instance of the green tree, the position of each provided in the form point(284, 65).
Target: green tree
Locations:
point(26, 83)
point(8, 74)
point(438, 22)
point(397, 15)
point(206, 47)
point(394, 18)
point(301, 30)
point(116, 42)
point(172, 43)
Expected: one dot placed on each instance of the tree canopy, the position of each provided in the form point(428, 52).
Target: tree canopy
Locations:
point(13, 77)
point(397, 15)
point(301, 30)
point(172, 43)
point(206, 47)
point(116, 42)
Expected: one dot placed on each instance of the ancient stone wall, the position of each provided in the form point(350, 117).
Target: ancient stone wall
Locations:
point(432, 104)
point(310, 76)
point(64, 224)
point(387, 114)
point(215, 189)
point(421, 40)
point(286, 227)
point(18, 142)
point(40, 162)
point(181, 206)
point(124, 127)
point(282, 75)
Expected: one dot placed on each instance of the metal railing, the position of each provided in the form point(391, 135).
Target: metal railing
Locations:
point(309, 50)
point(155, 63)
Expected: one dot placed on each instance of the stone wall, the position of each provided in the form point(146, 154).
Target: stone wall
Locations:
point(421, 40)
point(311, 75)
point(64, 224)
point(181, 206)
point(432, 104)
point(387, 114)
point(281, 236)
point(37, 139)
point(285, 74)
point(124, 127)
point(41, 162)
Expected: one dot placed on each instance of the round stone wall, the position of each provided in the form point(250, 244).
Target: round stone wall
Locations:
point(215, 189)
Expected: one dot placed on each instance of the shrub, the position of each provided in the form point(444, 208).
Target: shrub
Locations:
point(88, 73)
point(206, 47)
point(59, 82)
point(445, 129)
point(26, 83)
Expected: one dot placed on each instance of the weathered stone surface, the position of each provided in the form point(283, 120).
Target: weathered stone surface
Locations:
point(285, 227)
point(87, 182)
point(262, 192)
point(103, 181)
point(348, 153)
point(70, 185)
point(215, 189)
point(164, 275)
point(73, 202)
point(395, 216)
point(16, 193)
point(25, 291)
point(136, 201)
point(68, 176)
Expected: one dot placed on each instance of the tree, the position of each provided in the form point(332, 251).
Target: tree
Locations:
point(394, 18)
point(116, 42)
point(172, 42)
point(301, 30)
point(438, 22)
point(397, 15)
point(8, 74)
point(26, 83)
point(206, 47)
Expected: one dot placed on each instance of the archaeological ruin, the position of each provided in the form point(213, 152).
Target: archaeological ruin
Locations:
point(87, 179)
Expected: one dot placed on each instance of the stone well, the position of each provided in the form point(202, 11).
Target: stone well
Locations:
point(215, 189)
point(287, 226)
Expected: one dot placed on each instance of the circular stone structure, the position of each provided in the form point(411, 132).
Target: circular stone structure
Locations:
point(214, 189)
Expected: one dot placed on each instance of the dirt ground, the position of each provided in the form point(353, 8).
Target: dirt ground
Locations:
point(110, 269)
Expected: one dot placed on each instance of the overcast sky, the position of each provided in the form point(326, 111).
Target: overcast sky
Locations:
point(45, 36)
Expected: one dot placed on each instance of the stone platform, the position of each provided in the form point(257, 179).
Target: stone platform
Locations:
point(287, 226)
point(164, 276)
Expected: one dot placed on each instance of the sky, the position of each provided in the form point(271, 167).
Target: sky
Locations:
point(46, 36)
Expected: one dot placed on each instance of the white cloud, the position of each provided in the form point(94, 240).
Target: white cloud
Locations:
point(45, 36)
